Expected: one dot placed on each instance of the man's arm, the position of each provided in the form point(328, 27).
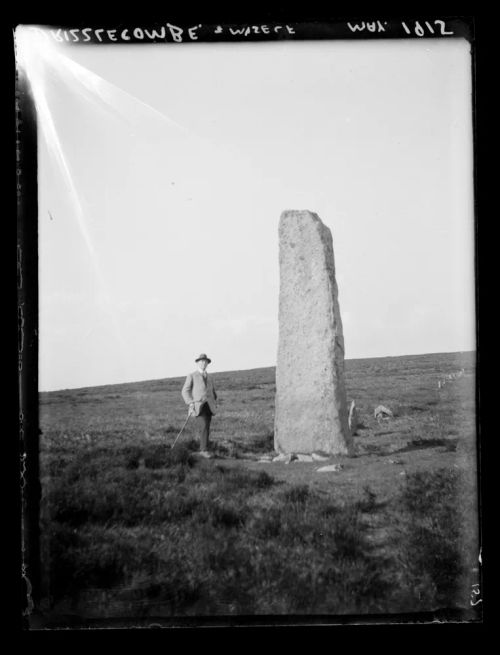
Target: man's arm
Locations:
point(186, 390)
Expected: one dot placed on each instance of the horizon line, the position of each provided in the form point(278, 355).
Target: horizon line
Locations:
point(256, 368)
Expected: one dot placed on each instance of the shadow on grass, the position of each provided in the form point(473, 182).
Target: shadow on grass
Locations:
point(419, 444)
point(450, 445)
point(368, 503)
point(386, 432)
point(254, 446)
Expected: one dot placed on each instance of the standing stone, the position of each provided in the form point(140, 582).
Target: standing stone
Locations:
point(311, 406)
point(353, 418)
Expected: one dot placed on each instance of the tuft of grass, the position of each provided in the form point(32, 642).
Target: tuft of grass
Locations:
point(436, 551)
point(233, 480)
point(262, 443)
point(199, 543)
point(369, 501)
point(91, 558)
point(297, 494)
point(203, 547)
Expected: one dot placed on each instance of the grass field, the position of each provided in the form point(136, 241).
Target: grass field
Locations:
point(135, 531)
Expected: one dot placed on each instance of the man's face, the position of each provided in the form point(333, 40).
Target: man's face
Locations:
point(203, 364)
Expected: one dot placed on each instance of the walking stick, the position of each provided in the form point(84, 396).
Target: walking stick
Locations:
point(182, 430)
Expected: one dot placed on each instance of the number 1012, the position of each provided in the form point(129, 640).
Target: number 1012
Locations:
point(436, 27)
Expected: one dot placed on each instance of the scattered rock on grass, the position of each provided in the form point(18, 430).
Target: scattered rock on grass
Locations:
point(318, 457)
point(305, 458)
point(285, 457)
point(382, 412)
point(330, 468)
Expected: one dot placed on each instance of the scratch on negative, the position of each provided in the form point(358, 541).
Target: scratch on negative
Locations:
point(20, 336)
point(29, 604)
point(19, 267)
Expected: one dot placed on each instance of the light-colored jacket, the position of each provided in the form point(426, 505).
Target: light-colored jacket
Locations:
point(196, 391)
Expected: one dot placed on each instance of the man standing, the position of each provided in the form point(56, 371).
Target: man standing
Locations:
point(199, 393)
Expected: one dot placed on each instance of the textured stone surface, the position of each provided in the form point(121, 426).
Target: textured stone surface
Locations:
point(311, 407)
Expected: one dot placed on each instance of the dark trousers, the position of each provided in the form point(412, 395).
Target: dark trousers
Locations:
point(203, 423)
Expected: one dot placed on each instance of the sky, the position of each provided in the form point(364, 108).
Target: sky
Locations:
point(163, 171)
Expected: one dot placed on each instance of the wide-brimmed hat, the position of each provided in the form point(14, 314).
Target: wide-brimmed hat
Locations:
point(203, 356)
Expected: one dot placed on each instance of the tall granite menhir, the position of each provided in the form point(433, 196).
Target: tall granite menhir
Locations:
point(311, 408)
